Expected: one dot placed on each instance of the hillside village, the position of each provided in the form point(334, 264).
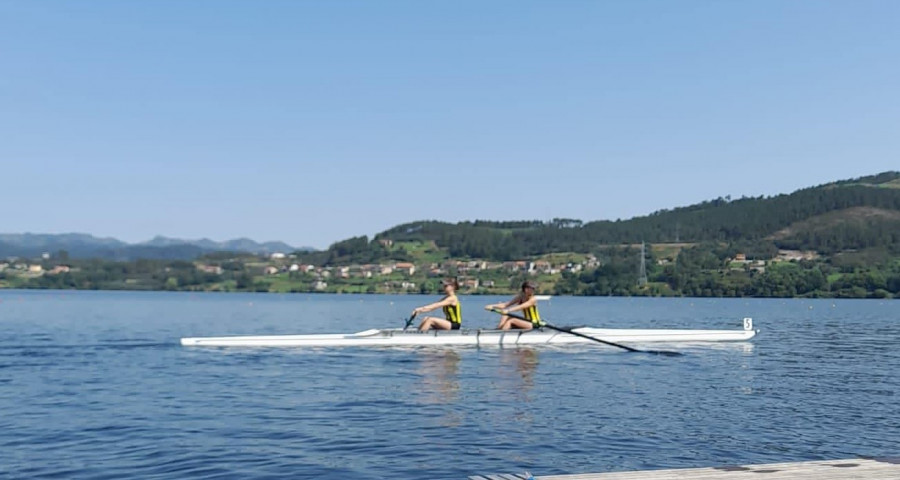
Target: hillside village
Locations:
point(283, 272)
point(475, 276)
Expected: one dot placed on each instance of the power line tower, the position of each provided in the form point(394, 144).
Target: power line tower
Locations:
point(642, 279)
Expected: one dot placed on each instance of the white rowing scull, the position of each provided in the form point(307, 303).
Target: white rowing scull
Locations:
point(478, 337)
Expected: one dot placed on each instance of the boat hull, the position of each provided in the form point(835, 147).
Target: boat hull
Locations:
point(472, 337)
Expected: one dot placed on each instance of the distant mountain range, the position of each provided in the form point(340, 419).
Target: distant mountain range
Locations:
point(81, 245)
point(236, 245)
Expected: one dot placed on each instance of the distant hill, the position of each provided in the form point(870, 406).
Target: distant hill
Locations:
point(80, 245)
point(844, 215)
point(236, 245)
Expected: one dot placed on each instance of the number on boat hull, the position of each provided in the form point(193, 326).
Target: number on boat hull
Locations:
point(748, 323)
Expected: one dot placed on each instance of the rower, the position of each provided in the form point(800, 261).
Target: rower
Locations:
point(525, 302)
point(449, 304)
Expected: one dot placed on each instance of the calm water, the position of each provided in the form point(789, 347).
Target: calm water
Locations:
point(95, 385)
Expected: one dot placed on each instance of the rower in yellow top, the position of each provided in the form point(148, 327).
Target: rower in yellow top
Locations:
point(449, 304)
point(525, 302)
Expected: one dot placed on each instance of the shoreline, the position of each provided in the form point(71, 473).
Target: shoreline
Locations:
point(466, 294)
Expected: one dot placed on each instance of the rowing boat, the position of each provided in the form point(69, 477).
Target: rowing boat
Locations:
point(477, 337)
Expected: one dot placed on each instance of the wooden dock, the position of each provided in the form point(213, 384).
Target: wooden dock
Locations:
point(857, 469)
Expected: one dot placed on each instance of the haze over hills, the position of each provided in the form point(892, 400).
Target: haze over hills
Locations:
point(81, 245)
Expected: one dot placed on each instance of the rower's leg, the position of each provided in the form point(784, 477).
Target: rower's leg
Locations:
point(519, 324)
point(441, 324)
point(504, 323)
point(436, 323)
point(426, 324)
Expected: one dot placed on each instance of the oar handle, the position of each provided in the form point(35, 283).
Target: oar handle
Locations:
point(513, 315)
point(410, 320)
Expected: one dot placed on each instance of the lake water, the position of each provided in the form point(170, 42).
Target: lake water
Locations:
point(95, 385)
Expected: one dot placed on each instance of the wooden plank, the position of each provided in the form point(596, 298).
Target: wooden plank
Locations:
point(857, 469)
point(861, 469)
point(499, 476)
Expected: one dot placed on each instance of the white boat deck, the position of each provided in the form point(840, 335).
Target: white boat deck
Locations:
point(857, 469)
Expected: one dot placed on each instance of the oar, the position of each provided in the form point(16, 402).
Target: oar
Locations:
point(409, 321)
point(577, 334)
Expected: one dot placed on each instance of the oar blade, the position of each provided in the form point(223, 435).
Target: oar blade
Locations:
point(664, 353)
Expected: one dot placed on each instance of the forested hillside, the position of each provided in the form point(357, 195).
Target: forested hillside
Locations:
point(846, 215)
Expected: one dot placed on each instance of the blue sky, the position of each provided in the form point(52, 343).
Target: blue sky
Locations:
point(310, 122)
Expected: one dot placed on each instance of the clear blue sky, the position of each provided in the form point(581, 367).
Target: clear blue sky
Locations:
point(310, 122)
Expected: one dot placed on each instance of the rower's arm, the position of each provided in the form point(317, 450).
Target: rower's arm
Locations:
point(522, 306)
point(494, 306)
point(436, 305)
point(515, 301)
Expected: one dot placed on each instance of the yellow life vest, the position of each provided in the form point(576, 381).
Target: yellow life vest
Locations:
point(531, 314)
point(453, 313)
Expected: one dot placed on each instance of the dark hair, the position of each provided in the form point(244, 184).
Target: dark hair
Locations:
point(451, 281)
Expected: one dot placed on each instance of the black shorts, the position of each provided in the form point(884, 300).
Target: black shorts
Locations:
point(454, 326)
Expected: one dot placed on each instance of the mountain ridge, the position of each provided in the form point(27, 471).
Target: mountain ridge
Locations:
point(84, 245)
point(242, 244)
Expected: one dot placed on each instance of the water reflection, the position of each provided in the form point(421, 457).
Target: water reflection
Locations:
point(440, 377)
point(526, 362)
point(518, 368)
point(519, 365)
point(439, 371)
